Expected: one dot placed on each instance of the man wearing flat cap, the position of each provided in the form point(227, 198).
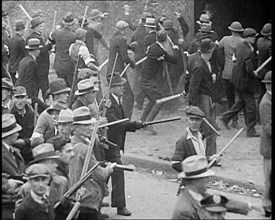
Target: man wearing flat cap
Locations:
point(117, 135)
point(24, 115)
point(265, 110)
point(12, 164)
point(119, 46)
point(7, 90)
point(245, 82)
point(17, 49)
point(196, 176)
point(43, 60)
point(63, 38)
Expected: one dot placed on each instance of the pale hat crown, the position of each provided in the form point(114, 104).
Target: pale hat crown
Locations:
point(65, 116)
point(9, 125)
point(82, 115)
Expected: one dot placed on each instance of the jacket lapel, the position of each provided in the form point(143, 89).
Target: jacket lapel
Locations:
point(8, 157)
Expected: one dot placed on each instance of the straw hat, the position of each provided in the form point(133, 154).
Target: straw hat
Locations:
point(33, 44)
point(85, 86)
point(82, 115)
point(195, 167)
point(9, 125)
point(65, 116)
point(150, 22)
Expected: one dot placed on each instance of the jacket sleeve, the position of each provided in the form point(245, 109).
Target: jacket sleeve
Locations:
point(194, 86)
point(249, 64)
point(179, 155)
point(265, 116)
point(123, 52)
point(172, 59)
point(184, 26)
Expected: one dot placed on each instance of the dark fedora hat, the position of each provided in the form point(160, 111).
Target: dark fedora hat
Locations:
point(42, 152)
point(19, 25)
point(68, 19)
point(206, 45)
point(33, 44)
point(266, 31)
point(58, 86)
point(236, 27)
point(57, 107)
point(117, 80)
point(36, 21)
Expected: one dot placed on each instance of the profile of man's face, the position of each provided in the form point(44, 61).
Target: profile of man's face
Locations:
point(20, 101)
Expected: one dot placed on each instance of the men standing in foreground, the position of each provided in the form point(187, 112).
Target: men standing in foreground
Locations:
point(265, 144)
point(117, 135)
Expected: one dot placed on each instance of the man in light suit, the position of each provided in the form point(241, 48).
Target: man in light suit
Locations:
point(265, 143)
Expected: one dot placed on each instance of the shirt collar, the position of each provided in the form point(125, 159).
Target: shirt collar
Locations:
point(33, 57)
point(190, 134)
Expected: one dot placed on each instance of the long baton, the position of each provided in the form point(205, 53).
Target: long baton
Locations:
point(263, 65)
point(167, 36)
point(162, 121)
point(85, 14)
point(103, 64)
point(166, 99)
point(137, 63)
point(25, 12)
point(113, 123)
point(211, 126)
point(229, 143)
point(54, 21)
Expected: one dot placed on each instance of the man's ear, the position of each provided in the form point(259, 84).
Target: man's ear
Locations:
point(58, 152)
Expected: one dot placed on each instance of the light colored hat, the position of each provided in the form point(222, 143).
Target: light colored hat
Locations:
point(7, 83)
point(19, 91)
point(204, 18)
point(58, 86)
point(95, 13)
point(82, 115)
point(267, 30)
point(195, 167)
point(85, 86)
point(150, 22)
point(9, 125)
point(268, 77)
point(236, 26)
point(249, 32)
point(33, 44)
point(38, 170)
point(65, 116)
point(42, 152)
point(122, 25)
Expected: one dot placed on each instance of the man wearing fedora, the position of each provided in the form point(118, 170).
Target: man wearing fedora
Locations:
point(152, 66)
point(7, 90)
point(151, 30)
point(43, 60)
point(37, 205)
point(24, 115)
point(63, 38)
point(228, 45)
point(200, 91)
point(117, 135)
point(65, 123)
point(45, 126)
point(27, 75)
point(12, 163)
point(96, 189)
point(118, 45)
point(264, 45)
point(265, 110)
point(196, 177)
point(17, 49)
point(245, 83)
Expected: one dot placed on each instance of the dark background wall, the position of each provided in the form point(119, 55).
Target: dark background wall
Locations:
point(251, 13)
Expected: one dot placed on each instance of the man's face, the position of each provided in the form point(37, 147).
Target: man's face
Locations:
point(6, 93)
point(39, 184)
point(201, 184)
point(86, 130)
point(20, 101)
point(65, 128)
point(67, 154)
point(194, 123)
point(118, 90)
point(39, 28)
point(63, 97)
point(13, 138)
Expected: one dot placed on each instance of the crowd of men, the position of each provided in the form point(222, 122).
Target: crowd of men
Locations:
point(50, 143)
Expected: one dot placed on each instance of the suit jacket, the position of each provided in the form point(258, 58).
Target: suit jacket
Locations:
point(17, 52)
point(63, 39)
point(118, 45)
point(152, 66)
point(266, 121)
point(243, 77)
point(149, 39)
point(200, 80)
point(264, 46)
point(28, 76)
point(117, 133)
point(43, 60)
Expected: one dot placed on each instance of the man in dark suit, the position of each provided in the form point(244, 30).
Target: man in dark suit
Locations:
point(28, 75)
point(118, 45)
point(200, 91)
point(17, 49)
point(12, 164)
point(245, 82)
point(43, 60)
point(117, 135)
point(63, 38)
point(150, 28)
point(156, 54)
point(265, 143)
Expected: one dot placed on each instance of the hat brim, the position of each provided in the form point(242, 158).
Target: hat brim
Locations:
point(85, 122)
point(61, 91)
point(37, 24)
point(39, 175)
point(68, 23)
point(266, 35)
point(123, 81)
point(43, 158)
point(16, 129)
point(205, 174)
point(82, 93)
point(235, 30)
point(266, 81)
point(216, 209)
point(151, 26)
point(33, 48)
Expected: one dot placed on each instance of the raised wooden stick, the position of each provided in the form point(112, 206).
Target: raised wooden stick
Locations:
point(211, 126)
point(262, 66)
point(127, 66)
point(25, 12)
point(85, 14)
